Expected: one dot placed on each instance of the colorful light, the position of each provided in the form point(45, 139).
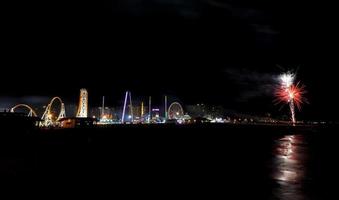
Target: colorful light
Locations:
point(289, 93)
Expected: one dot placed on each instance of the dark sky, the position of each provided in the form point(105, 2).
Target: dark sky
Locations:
point(196, 50)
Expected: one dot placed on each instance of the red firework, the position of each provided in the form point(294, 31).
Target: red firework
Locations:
point(294, 94)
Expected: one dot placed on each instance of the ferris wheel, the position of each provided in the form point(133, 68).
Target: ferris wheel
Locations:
point(175, 111)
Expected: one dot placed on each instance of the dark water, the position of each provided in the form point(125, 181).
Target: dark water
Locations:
point(290, 168)
point(214, 161)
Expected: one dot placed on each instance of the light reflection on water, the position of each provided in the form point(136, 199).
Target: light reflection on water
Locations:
point(289, 168)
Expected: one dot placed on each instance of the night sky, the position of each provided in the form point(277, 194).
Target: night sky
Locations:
point(212, 51)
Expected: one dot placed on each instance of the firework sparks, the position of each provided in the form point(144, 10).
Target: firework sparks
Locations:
point(290, 93)
point(287, 80)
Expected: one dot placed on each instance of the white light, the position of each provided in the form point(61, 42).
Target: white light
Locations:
point(287, 79)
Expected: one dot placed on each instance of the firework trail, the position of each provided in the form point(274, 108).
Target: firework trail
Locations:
point(289, 93)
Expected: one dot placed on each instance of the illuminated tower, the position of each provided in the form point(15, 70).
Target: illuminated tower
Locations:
point(128, 94)
point(149, 109)
point(142, 109)
point(83, 104)
point(103, 107)
point(166, 114)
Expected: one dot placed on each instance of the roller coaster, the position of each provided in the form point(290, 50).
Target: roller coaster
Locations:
point(47, 118)
point(31, 113)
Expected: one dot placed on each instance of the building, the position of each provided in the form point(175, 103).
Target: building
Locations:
point(74, 122)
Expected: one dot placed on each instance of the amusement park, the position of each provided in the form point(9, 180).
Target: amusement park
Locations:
point(54, 114)
point(160, 109)
point(134, 110)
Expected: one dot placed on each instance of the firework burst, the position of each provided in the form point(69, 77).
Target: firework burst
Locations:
point(289, 93)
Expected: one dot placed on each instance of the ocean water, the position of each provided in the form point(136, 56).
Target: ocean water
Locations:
point(230, 162)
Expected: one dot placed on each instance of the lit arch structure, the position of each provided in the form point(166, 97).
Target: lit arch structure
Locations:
point(31, 113)
point(175, 111)
point(47, 117)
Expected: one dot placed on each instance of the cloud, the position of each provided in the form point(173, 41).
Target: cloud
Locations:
point(185, 8)
point(7, 102)
point(252, 84)
point(236, 11)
